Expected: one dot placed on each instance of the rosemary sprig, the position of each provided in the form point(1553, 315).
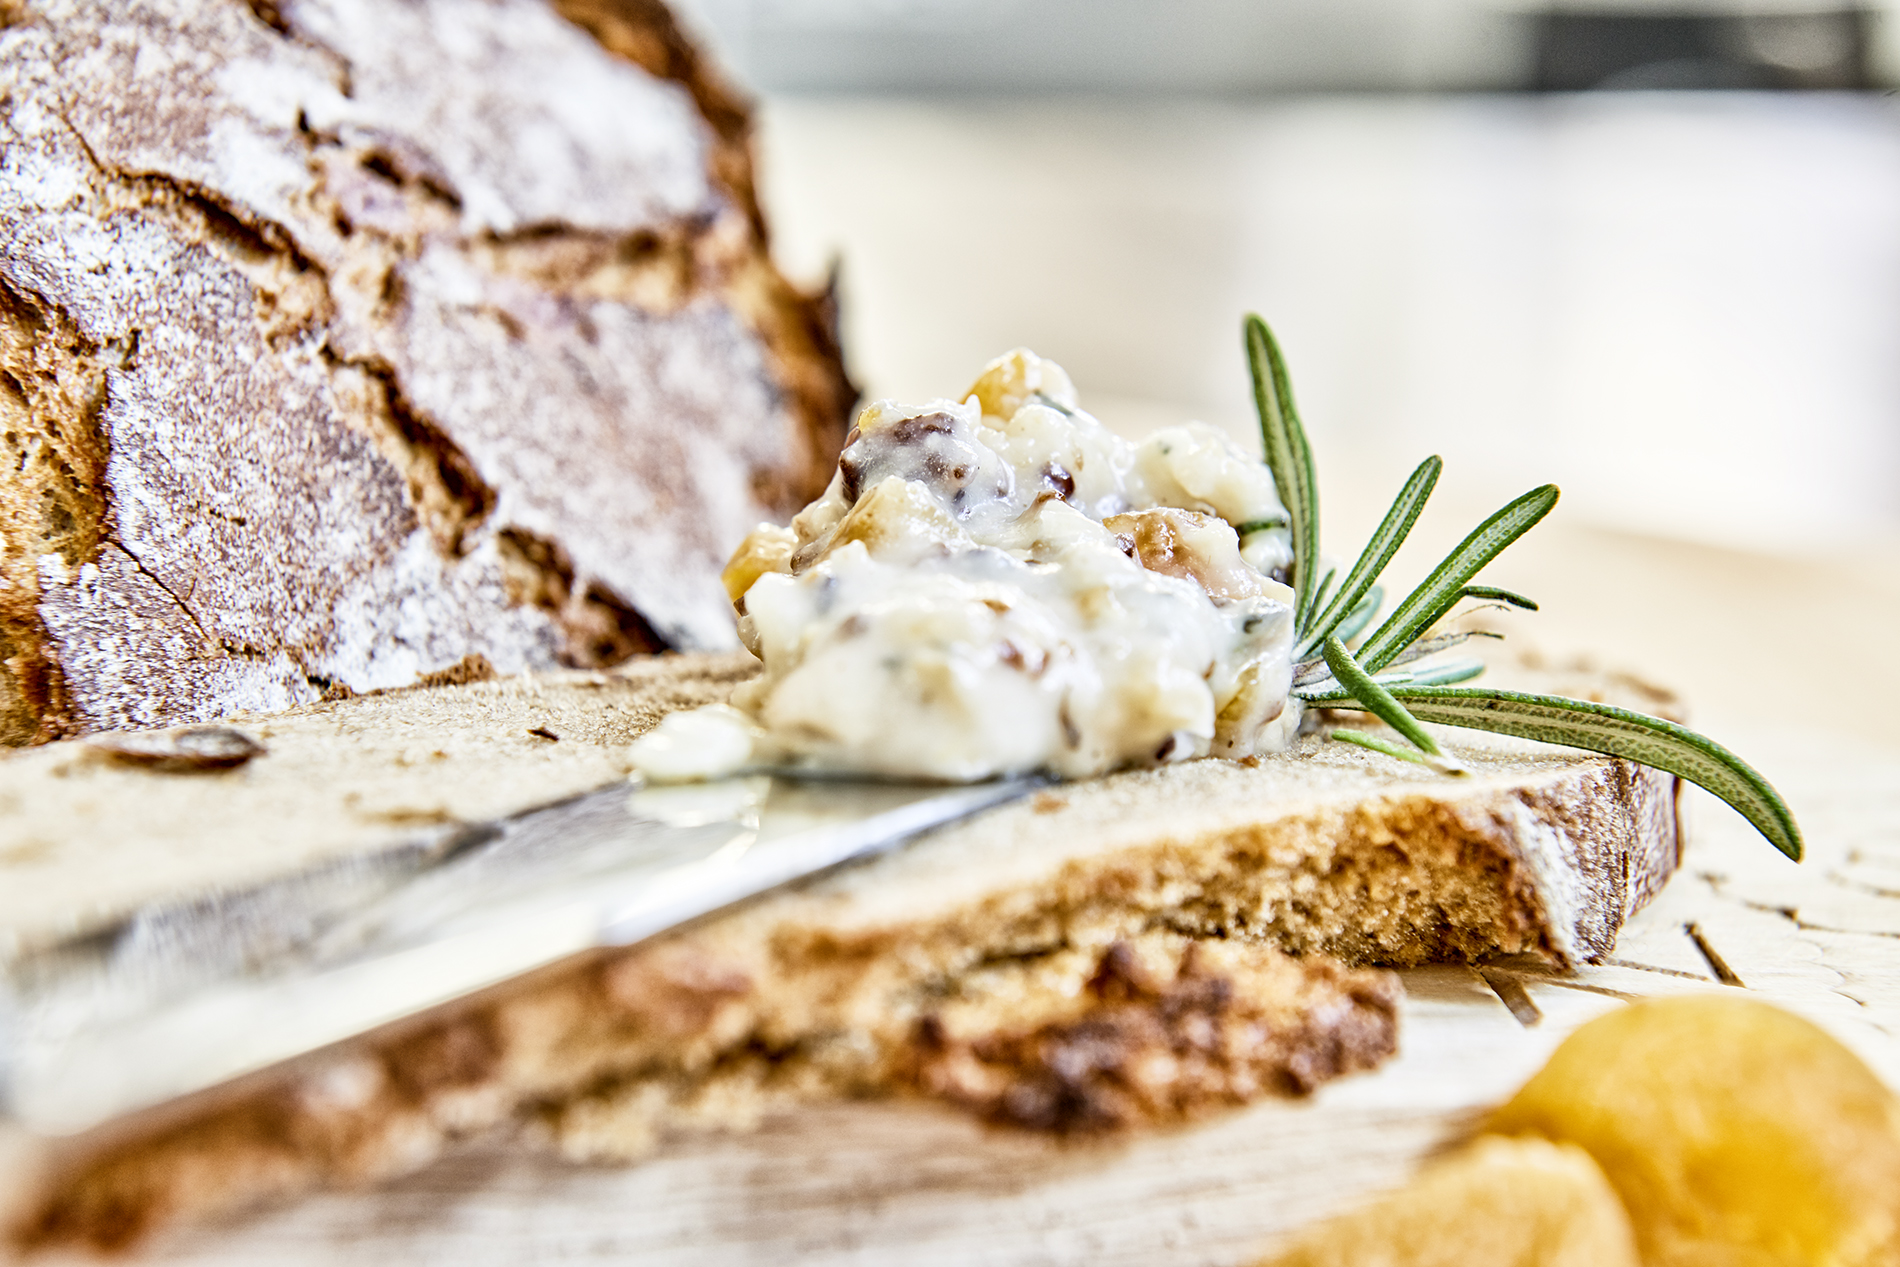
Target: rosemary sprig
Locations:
point(1497, 595)
point(1440, 592)
point(1375, 699)
point(1434, 643)
point(1619, 732)
point(1361, 615)
point(1377, 744)
point(1290, 460)
point(1378, 552)
point(1442, 674)
point(1325, 589)
point(1328, 674)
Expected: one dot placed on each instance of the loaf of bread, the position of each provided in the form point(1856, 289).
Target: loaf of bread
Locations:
point(345, 342)
point(1140, 948)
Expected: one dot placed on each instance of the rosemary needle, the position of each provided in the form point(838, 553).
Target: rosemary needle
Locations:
point(1327, 617)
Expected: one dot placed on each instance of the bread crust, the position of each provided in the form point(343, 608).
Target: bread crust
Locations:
point(321, 368)
point(952, 969)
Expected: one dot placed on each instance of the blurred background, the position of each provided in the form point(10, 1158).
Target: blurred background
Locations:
point(1649, 252)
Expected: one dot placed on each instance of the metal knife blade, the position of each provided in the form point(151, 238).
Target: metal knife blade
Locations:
point(179, 999)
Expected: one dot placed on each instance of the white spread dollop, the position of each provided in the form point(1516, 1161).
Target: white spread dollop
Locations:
point(1003, 585)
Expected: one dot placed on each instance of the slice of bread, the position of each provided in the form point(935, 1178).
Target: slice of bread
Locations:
point(1131, 949)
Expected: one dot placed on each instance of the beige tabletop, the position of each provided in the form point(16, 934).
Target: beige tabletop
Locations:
point(1782, 654)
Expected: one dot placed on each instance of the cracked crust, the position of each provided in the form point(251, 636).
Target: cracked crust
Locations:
point(52, 388)
point(980, 968)
point(341, 341)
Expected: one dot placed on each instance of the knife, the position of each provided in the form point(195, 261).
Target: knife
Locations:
point(183, 997)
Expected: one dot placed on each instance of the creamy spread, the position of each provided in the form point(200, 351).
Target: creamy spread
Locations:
point(1001, 585)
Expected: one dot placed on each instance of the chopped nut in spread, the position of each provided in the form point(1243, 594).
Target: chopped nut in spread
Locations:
point(1003, 585)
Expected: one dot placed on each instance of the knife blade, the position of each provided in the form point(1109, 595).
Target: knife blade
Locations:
point(181, 998)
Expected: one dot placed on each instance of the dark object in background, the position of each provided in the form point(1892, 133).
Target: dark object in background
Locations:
point(1622, 50)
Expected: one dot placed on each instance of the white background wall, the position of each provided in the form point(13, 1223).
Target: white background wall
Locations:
point(1684, 308)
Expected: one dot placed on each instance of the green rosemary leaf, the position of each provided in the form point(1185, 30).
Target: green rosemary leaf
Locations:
point(1617, 731)
point(1313, 678)
point(1495, 594)
point(1325, 587)
point(1313, 668)
point(1259, 525)
point(1432, 645)
point(1288, 457)
point(1361, 615)
point(1440, 591)
point(1377, 744)
point(1385, 542)
point(1375, 699)
point(1441, 763)
point(1460, 670)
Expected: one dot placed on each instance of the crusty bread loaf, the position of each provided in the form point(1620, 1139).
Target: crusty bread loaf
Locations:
point(1143, 915)
point(342, 342)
